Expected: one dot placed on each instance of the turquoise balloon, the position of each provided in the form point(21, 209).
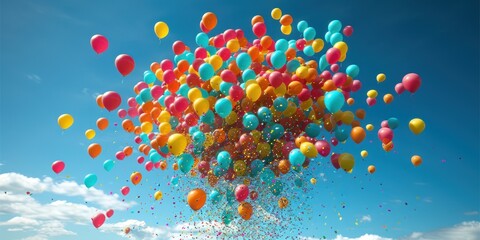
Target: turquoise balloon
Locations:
point(108, 165)
point(224, 160)
point(322, 63)
point(264, 114)
point(296, 158)
point(393, 123)
point(248, 74)
point(334, 26)
point(161, 100)
point(206, 71)
point(308, 50)
point(227, 217)
point(208, 117)
point(353, 70)
point(149, 77)
point(302, 25)
point(281, 45)
point(144, 137)
point(341, 134)
point(90, 180)
point(189, 57)
point(336, 37)
point(138, 98)
point(183, 90)
point(219, 171)
point(185, 162)
point(243, 61)
point(174, 181)
point(327, 36)
point(312, 130)
point(298, 182)
point(277, 131)
point(198, 137)
point(334, 101)
point(204, 92)
point(230, 194)
point(309, 33)
point(267, 175)
point(267, 133)
point(193, 130)
point(292, 65)
point(215, 196)
point(164, 149)
point(225, 88)
point(280, 104)
point(211, 50)
point(223, 107)
point(278, 59)
point(256, 167)
point(154, 156)
point(276, 188)
point(174, 121)
point(202, 39)
point(146, 95)
point(250, 121)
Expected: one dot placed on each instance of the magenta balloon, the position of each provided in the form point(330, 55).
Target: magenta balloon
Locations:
point(356, 85)
point(218, 41)
point(111, 100)
point(241, 192)
point(334, 141)
point(125, 64)
point(166, 64)
point(335, 67)
point(201, 52)
point(149, 166)
point(348, 31)
point(58, 166)
point(384, 124)
point(156, 92)
point(259, 29)
point(99, 43)
point(98, 220)
point(229, 34)
point(203, 167)
point(236, 93)
point(276, 79)
point(323, 148)
point(224, 53)
point(288, 147)
point(132, 112)
point(120, 155)
point(385, 134)
point(169, 100)
point(125, 190)
point(371, 101)
point(334, 160)
point(333, 55)
point(122, 113)
point(109, 213)
point(339, 79)
point(132, 102)
point(399, 88)
point(411, 82)
point(181, 104)
point(140, 159)
point(151, 136)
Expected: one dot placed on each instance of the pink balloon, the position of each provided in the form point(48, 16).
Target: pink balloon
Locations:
point(300, 44)
point(125, 64)
point(288, 147)
point(228, 76)
point(236, 93)
point(339, 79)
point(276, 79)
point(168, 76)
point(411, 82)
point(132, 102)
point(125, 190)
point(166, 64)
point(156, 165)
point(178, 47)
point(334, 141)
point(224, 53)
point(137, 140)
point(156, 92)
point(140, 86)
point(385, 134)
point(132, 112)
point(98, 220)
point(384, 124)
point(58, 166)
point(229, 34)
point(399, 88)
point(333, 55)
point(111, 100)
point(203, 167)
point(201, 52)
point(109, 213)
point(140, 159)
point(371, 101)
point(120, 155)
point(149, 166)
point(241, 192)
point(181, 104)
point(334, 160)
point(356, 85)
point(122, 113)
point(203, 28)
point(335, 67)
point(218, 41)
point(259, 29)
point(323, 148)
point(99, 43)
point(347, 31)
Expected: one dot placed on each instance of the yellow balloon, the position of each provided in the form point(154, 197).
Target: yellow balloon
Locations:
point(240, 167)
point(194, 94)
point(209, 141)
point(364, 153)
point(372, 93)
point(65, 121)
point(161, 29)
point(215, 82)
point(286, 29)
point(254, 91)
point(313, 181)
point(231, 118)
point(347, 117)
point(233, 45)
point(177, 144)
point(201, 106)
point(165, 128)
point(381, 77)
point(164, 116)
point(416, 125)
point(342, 46)
point(216, 62)
point(306, 104)
point(263, 149)
point(346, 161)
point(276, 13)
point(90, 133)
point(158, 195)
point(369, 127)
point(291, 109)
point(308, 149)
point(318, 45)
point(302, 72)
point(280, 90)
point(147, 127)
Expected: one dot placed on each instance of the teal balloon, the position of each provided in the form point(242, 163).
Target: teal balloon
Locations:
point(225, 88)
point(198, 137)
point(302, 25)
point(280, 104)
point(211, 50)
point(108, 165)
point(334, 26)
point(174, 121)
point(230, 194)
point(276, 188)
point(341, 134)
point(281, 45)
point(309, 33)
point(243, 61)
point(353, 70)
point(164, 149)
point(256, 167)
point(189, 57)
point(138, 98)
point(206, 71)
point(149, 77)
point(323, 63)
point(219, 171)
point(202, 39)
point(146, 95)
point(193, 130)
point(267, 175)
point(278, 59)
point(312, 130)
point(215, 196)
point(174, 181)
point(334, 101)
point(250, 121)
point(308, 50)
point(183, 90)
point(90, 180)
point(223, 107)
point(204, 92)
point(161, 100)
point(248, 74)
point(267, 133)
point(264, 114)
point(208, 117)
point(185, 162)
point(224, 159)
point(154, 156)
point(327, 36)
point(292, 65)
point(393, 123)
point(336, 37)
point(296, 158)
point(227, 217)
point(277, 131)
point(298, 182)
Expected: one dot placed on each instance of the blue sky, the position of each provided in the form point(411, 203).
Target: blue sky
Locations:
point(48, 68)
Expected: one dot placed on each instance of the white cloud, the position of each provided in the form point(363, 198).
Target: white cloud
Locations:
point(363, 237)
point(20, 221)
point(465, 230)
point(19, 184)
point(35, 78)
point(366, 218)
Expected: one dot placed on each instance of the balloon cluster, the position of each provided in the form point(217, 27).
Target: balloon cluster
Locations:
point(245, 112)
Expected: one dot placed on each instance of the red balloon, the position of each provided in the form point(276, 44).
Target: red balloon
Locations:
point(109, 213)
point(334, 159)
point(149, 166)
point(58, 166)
point(399, 88)
point(99, 43)
point(98, 220)
point(323, 148)
point(259, 29)
point(178, 47)
point(124, 64)
point(347, 31)
point(241, 192)
point(385, 134)
point(333, 55)
point(411, 82)
point(125, 190)
point(111, 100)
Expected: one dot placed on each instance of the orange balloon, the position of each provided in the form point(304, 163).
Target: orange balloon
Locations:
point(94, 150)
point(295, 87)
point(329, 85)
point(145, 117)
point(416, 160)
point(286, 20)
point(360, 113)
point(388, 98)
point(135, 178)
point(137, 130)
point(284, 166)
point(102, 123)
point(196, 199)
point(371, 169)
point(358, 134)
point(290, 53)
point(173, 86)
point(175, 166)
point(99, 101)
point(127, 125)
point(209, 20)
point(300, 140)
point(266, 42)
point(245, 210)
point(257, 19)
point(163, 165)
point(154, 66)
point(182, 66)
point(128, 150)
point(253, 52)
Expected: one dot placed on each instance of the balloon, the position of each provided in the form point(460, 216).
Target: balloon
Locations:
point(308, 149)
point(369, 127)
point(245, 210)
point(58, 166)
point(399, 88)
point(161, 29)
point(296, 158)
point(276, 13)
point(381, 77)
point(158, 195)
point(90, 180)
point(126, 230)
point(177, 144)
point(109, 213)
point(323, 148)
point(388, 98)
point(111, 100)
point(357, 134)
point(364, 153)
point(334, 26)
point(346, 161)
point(333, 55)
point(209, 20)
point(241, 192)
point(185, 162)
point(135, 178)
point(125, 190)
point(372, 93)
point(348, 31)
point(385, 135)
point(416, 160)
point(411, 82)
point(371, 169)
point(124, 64)
point(94, 150)
point(99, 43)
point(215, 196)
point(223, 107)
point(259, 29)
point(108, 165)
point(90, 133)
point(282, 202)
point(334, 101)
point(416, 125)
point(196, 199)
point(334, 160)
point(98, 220)
point(393, 123)
point(102, 123)
point(65, 121)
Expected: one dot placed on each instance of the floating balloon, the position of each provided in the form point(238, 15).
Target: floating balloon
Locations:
point(94, 150)
point(90, 180)
point(109, 213)
point(282, 202)
point(411, 82)
point(245, 210)
point(161, 29)
point(346, 161)
point(416, 125)
point(99, 43)
point(111, 100)
point(108, 165)
point(58, 166)
point(371, 169)
point(102, 123)
point(65, 121)
point(196, 199)
point(416, 160)
point(90, 134)
point(158, 195)
point(136, 178)
point(125, 190)
point(125, 64)
point(98, 220)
